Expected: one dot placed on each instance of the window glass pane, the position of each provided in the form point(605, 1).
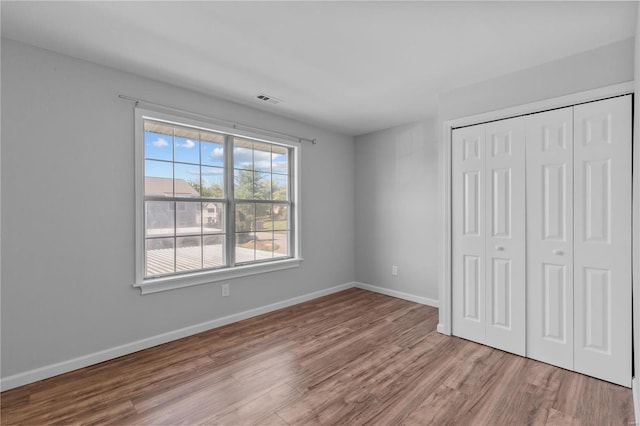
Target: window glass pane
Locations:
point(264, 244)
point(158, 141)
point(158, 178)
point(243, 184)
point(279, 186)
point(188, 253)
point(188, 218)
point(213, 251)
point(159, 218)
point(245, 217)
point(159, 256)
point(280, 217)
point(279, 159)
point(212, 182)
point(251, 185)
point(189, 163)
point(212, 154)
point(186, 145)
point(212, 217)
point(245, 251)
point(264, 219)
point(242, 154)
point(281, 244)
point(261, 186)
point(262, 157)
point(187, 180)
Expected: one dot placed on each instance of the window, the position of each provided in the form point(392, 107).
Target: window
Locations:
point(212, 203)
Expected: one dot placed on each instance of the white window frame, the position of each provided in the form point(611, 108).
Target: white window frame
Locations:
point(170, 282)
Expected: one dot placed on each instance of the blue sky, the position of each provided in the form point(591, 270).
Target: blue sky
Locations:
point(163, 147)
point(256, 159)
point(159, 147)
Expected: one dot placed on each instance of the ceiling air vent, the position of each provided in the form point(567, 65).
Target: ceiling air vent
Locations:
point(270, 99)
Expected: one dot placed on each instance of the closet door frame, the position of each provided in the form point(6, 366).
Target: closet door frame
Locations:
point(445, 270)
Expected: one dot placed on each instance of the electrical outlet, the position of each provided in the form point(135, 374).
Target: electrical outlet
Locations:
point(225, 290)
point(394, 270)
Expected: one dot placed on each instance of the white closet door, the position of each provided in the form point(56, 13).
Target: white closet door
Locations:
point(505, 235)
point(468, 233)
point(602, 257)
point(550, 237)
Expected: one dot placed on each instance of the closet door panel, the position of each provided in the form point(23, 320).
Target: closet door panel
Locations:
point(505, 239)
point(602, 267)
point(550, 237)
point(468, 233)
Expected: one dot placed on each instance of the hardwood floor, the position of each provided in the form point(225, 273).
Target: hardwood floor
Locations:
point(353, 357)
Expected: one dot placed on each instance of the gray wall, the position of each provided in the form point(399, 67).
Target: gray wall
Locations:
point(396, 177)
point(397, 170)
point(68, 213)
point(67, 165)
point(595, 68)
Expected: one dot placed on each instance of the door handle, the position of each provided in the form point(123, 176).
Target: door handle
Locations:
point(499, 248)
point(558, 252)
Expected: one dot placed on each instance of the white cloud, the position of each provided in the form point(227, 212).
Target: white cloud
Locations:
point(242, 158)
point(263, 164)
point(261, 156)
point(188, 144)
point(216, 154)
point(160, 143)
point(211, 171)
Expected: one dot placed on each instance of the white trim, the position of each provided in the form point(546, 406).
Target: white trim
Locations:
point(171, 282)
point(52, 370)
point(222, 122)
point(445, 166)
point(178, 281)
point(444, 325)
point(47, 371)
point(635, 385)
point(398, 294)
point(533, 107)
point(195, 120)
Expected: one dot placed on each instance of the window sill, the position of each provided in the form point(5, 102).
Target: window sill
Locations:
point(155, 285)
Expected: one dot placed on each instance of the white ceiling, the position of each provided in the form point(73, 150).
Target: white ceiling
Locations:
point(354, 67)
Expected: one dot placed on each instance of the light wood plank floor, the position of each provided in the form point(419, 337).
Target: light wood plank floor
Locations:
point(349, 358)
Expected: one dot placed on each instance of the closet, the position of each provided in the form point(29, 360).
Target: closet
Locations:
point(541, 236)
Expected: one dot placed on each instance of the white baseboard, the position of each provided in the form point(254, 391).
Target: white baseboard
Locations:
point(442, 330)
point(52, 370)
point(45, 372)
point(635, 385)
point(398, 294)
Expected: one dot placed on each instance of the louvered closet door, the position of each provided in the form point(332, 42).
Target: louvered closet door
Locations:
point(468, 232)
point(505, 235)
point(602, 229)
point(550, 237)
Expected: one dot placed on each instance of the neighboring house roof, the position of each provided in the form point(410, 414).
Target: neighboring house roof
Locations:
point(164, 187)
